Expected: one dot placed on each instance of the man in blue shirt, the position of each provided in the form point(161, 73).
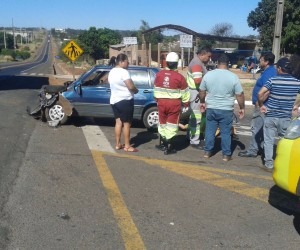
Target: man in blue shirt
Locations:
point(266, 62)
point(283, 90)
point(218, 90)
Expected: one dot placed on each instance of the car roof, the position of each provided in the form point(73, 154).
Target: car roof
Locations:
point(129, 67)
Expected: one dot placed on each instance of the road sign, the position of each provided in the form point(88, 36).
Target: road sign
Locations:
point(186, 41)
point(130, 40)
point(72, 50)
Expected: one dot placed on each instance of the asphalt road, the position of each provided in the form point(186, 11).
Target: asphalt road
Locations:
point(67, 188)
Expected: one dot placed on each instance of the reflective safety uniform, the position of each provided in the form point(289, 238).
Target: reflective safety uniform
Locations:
point(170, 91)
point(196, 70)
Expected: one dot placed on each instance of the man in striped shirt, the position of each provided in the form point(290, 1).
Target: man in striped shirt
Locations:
point(282, 91)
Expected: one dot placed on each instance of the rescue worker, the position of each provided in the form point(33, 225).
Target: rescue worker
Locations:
point(196, 70)
point(171, 92)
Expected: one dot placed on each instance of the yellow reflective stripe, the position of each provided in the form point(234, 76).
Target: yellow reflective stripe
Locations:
point(168, 130)
point(185, 95)
point(158, 89)
point(161, 129)
point(171, 130)
point(167, 93)
point(190, 80)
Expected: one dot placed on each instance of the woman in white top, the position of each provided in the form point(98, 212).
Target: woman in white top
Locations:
point(121, 100)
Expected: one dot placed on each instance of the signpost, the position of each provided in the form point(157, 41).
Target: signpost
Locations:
point(72, 51)
point(186, 41)
point(130, 41)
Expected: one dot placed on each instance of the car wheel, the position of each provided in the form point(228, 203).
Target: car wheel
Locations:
point(150, 118)
point(56, 113)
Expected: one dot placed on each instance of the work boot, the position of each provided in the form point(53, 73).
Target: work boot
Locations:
point(162, 144)
point(170, 147)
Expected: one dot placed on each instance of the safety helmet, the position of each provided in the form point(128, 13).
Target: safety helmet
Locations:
point(172, 57)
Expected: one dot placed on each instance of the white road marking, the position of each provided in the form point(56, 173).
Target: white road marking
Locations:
point(244, 127)
point(246, 133)
point(96, 139)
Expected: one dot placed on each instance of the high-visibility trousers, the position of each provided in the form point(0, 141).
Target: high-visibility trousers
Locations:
point(168, 113)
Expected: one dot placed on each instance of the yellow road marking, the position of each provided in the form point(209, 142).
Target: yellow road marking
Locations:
point(207, 174)
point(129, 231)
point(210, 169)
point(216, 180)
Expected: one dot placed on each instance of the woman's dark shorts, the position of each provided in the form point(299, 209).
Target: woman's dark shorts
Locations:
point(123, 110)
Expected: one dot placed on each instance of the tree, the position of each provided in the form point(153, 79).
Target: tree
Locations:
point(154, 37)
point(291, 29)
point(263, 19)
point(96, 42)
point(206, 43)
point(9, 40)
point(222, 29)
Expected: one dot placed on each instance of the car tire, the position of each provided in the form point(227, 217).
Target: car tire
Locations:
point(150, 118)
point(56, 113)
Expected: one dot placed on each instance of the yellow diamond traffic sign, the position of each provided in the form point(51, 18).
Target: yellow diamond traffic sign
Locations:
point(72, 50)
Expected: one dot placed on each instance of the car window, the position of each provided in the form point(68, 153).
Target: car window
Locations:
point(98, 77)
point(104, 78)
point(152, 78)
point(140, 78)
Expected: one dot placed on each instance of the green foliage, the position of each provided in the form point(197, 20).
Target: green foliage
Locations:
point(22, 54)
point(8, 52)
point(95, 42)
point(18, 54)
point(263, 20)
point(153, 37)
point(206, 43)
point(9, 40)
point(291, 28)
point(26, 48)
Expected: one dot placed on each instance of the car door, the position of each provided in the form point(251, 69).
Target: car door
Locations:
point(143, 79)
point(94, 96)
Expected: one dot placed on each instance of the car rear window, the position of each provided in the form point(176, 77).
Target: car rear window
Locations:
point(140, 78)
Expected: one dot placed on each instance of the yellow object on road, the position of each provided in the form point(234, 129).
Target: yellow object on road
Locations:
point(286, 173)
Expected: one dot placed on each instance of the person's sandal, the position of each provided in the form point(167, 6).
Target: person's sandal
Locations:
point(131, 149)
point(121, 146)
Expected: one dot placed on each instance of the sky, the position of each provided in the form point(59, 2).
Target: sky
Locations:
point(198, 15)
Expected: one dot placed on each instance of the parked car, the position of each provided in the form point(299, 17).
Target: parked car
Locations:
point(285, 195)
point(89, 95)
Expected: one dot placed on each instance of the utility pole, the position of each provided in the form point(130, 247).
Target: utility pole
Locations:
point(14, 34)
point(21, 36)
point(4, 37)
point(278, 28)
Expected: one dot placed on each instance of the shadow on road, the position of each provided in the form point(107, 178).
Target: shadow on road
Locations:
point(22, 82)
point(287, 203)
